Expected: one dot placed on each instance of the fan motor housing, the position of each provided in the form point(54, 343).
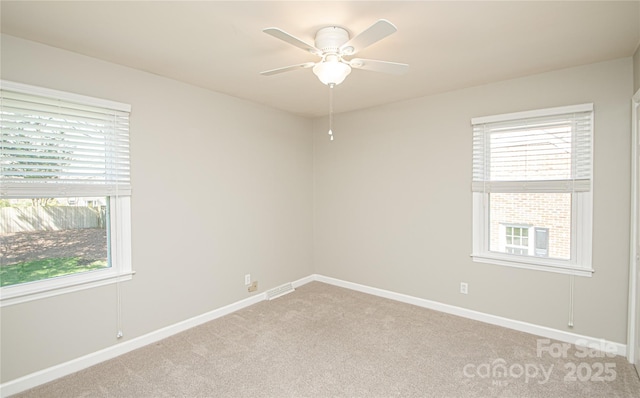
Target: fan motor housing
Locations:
point(330, 39)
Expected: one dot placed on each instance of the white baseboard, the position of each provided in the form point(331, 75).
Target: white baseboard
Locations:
point(543, 331)
point(46, 375)
point(304, 281)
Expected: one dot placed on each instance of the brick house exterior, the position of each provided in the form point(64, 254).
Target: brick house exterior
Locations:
point(550, 211)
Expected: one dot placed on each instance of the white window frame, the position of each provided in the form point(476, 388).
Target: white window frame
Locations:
point(119, 223)
point(580, 263)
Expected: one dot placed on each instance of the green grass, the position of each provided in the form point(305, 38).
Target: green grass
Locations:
point(31, 271)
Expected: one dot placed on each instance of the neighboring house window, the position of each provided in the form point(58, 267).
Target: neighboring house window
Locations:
point(532, 189)
point(524, 240)
point(64, 192)
point(516, 239)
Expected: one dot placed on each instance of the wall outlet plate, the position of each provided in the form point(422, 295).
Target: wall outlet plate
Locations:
point(247, 279)
point(253, 287)
point(464, 288)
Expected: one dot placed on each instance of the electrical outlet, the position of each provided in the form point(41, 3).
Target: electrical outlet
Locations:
point(253, 287)
point(464, 288)
point(247, 279)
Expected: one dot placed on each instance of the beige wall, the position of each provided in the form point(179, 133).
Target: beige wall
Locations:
point(393, 204)
point(636, 70)
point(221, 187)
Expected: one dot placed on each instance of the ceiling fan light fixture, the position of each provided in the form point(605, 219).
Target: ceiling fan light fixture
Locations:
point(331, 72)
point(332, 43)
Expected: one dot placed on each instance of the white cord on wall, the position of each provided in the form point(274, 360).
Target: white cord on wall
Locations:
point(117, 255)
point(571, 286)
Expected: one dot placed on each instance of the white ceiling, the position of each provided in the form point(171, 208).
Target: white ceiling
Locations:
point(220, 45)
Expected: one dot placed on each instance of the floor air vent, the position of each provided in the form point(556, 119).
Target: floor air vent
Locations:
point(279, 291)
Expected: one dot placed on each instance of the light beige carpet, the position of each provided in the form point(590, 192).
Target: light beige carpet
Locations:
point(325, 341)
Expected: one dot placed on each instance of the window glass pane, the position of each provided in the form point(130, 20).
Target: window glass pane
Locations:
point(546, 212)
point(44, 238)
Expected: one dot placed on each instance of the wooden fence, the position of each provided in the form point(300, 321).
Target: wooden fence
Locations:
point(49, 218)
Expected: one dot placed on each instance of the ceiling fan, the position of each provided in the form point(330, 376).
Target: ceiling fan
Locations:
point(333, 45)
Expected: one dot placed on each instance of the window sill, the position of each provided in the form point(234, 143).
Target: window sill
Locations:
point(16, 294)
point(546, 265)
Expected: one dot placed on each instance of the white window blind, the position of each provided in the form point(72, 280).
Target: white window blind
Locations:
point(526, 152)
point(56, 144)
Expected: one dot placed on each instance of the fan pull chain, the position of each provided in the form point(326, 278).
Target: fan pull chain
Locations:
point(331, 86)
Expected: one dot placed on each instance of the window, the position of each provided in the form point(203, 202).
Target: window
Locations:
point(532, 189)
point(516, 240)
point(64, 192)
point(524, 240)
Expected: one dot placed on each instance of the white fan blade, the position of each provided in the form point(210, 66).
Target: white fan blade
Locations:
point(393, 68)
point(372, 34)
point(284, 36)
point(287, 68)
